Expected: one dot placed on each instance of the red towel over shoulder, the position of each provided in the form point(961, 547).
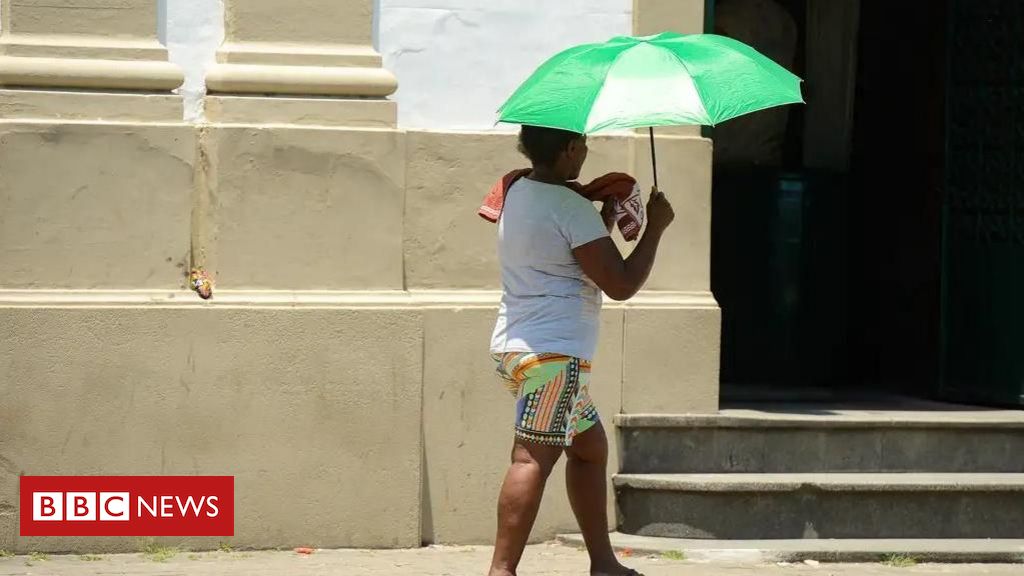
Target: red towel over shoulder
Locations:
point(622, 188)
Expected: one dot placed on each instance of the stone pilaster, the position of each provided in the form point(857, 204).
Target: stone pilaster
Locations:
point(671, 332)
point(656, 16)
point(300, 47)
point(90, 44)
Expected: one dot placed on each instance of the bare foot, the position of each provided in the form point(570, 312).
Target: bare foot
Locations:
point(500, 572)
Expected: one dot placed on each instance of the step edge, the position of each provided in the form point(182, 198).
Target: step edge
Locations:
point(649, 421)
point(948, 482)
point(1008, 551)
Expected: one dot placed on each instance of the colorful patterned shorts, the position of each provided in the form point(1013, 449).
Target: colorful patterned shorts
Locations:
point(552, 393)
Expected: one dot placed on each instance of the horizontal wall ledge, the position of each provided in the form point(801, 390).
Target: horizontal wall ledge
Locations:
point(313, 80)
point(734, 419)
point(303, 298)
point(71, 106)
point(18, 71)
point(277, 54)
point(78, 46)
point(288, 110)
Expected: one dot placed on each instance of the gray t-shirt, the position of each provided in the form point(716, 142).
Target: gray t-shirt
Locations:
point(548, 305)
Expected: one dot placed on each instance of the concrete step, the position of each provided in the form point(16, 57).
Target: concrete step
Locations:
point(951, 550)
point(753, 441)
point(833, 505)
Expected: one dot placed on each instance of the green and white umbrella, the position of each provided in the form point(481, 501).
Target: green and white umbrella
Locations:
point(663, 80)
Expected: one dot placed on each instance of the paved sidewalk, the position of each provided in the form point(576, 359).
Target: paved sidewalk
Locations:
point(541, 560)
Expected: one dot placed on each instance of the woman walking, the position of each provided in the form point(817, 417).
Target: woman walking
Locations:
point(556, 258)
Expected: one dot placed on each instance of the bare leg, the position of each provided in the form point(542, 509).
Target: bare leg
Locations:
point(519, 502)
point(587, 484)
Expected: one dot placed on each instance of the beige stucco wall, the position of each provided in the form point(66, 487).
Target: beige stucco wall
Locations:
point(94, 206)
point(313, 21)
point(73, 106)
point(654, 16)
point(341, 371)
point(671, 355)
point(286, 209)
point(294, 208)
point(268, 224)
point(302, 406)
point(124, 19)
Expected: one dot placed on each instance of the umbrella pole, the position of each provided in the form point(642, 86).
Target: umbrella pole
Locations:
point(654, 158)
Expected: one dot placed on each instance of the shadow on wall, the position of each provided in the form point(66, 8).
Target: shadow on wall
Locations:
point(376, 25)
point(161, 21)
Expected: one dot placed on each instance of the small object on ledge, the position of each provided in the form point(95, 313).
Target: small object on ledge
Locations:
point(200, 281)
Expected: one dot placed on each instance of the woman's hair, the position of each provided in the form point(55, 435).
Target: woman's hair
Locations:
point(543, 145)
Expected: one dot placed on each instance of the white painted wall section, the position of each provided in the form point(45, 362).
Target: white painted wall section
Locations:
point(192, 30)
point(458, 60)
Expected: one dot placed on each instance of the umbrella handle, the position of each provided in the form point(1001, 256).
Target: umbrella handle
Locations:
point(654, 158)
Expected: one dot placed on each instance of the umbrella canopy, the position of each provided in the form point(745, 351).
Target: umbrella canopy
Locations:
point(662, 80)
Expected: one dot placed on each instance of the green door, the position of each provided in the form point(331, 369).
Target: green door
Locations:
point(983, 252)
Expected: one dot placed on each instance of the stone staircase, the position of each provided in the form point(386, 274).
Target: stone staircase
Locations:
point(815, 474)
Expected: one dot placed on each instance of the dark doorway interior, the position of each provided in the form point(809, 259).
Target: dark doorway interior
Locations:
point(827, 240)
point(983, 233)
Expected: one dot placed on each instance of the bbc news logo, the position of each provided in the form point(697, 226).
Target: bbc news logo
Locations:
point(116, 506)
point(127, 505)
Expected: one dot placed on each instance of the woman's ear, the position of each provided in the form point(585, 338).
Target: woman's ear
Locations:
point(575, 148)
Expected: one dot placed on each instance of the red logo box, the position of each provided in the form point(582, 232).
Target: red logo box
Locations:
point(127, 505)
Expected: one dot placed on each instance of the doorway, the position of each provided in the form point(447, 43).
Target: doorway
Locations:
point(830, 258)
